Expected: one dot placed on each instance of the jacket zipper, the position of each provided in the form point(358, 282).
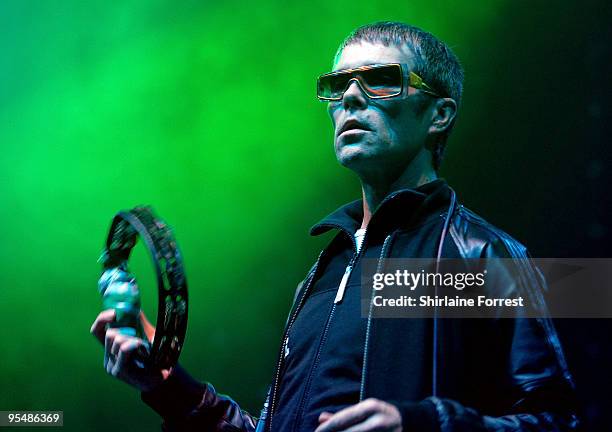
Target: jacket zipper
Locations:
point(364, 367)
point(338, 299)
point(300, 410)
point(281, 356)
point(296, 311)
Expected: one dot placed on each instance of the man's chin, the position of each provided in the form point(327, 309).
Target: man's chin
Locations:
point(355, 156)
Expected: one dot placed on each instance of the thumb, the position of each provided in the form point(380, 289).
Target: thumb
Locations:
point(325, 416)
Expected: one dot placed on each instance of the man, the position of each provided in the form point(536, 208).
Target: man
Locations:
point(393, 98)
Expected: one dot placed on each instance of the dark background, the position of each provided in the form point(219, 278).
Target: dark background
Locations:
point(543, 171)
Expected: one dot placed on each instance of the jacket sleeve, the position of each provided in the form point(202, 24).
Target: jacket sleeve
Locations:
point(188, 405)
point(539, 389)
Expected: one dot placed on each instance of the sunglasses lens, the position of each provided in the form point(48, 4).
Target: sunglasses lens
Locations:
point(382, 81)
point(379, 81)
point(332, 86)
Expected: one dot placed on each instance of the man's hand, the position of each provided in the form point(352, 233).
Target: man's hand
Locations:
point(367, 416)
point(124, 355)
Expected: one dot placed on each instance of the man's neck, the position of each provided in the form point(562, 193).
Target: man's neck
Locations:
point(373, 194)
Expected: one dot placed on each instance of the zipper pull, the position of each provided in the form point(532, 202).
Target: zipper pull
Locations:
point(342, 286)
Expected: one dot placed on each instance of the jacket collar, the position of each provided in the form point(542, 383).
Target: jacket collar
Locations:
point(400, 209)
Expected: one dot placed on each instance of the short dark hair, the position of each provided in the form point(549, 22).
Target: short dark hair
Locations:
point(435, 62)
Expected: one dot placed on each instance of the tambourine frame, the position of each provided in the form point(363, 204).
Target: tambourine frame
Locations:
point(171, 324)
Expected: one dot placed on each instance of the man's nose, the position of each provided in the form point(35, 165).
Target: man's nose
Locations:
point(354, 96)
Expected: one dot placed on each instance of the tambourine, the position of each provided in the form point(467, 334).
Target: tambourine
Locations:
point(123, 295)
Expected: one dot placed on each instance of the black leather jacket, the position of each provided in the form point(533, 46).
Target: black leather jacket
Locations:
point(489, 374)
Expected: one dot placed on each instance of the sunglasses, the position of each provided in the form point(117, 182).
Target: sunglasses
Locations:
point(376, 81)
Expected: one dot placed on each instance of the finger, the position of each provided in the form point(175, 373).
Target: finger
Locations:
point(117, 342)
point(109, 338)
point(125, 355)
point(112, 341)
point(109, 363)
point(98, 328)
point(384, 418)
point(375, 423)
point(349, 416)
point(324, 416)
point(147, 327)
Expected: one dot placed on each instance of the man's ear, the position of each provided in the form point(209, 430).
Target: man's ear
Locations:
point(443, 113)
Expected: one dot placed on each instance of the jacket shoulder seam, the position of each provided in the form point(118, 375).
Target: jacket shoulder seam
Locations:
point(515, 248)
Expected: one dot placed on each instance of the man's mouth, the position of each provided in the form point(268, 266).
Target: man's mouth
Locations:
point(353, 125)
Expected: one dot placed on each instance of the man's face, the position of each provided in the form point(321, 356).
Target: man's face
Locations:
point(377, 135)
